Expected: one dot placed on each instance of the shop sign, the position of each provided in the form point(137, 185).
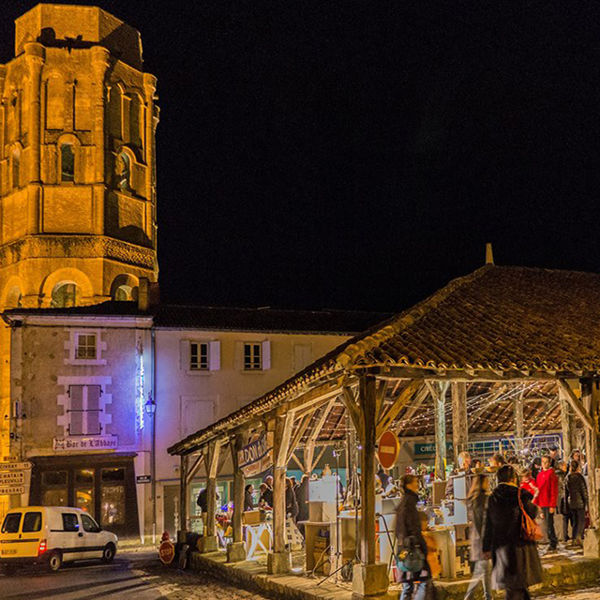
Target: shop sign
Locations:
point(143, 478)
point(12, 478)
point(388, 449)
point(166, 552)
point(257, 456)
point(15, 466)
point(11, 490)
point(93, 442)
point(429, 449)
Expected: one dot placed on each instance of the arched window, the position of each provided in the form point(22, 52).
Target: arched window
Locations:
point(123, 169)
point(124, 293)
point(115, 117)
point(13, 298)
point(67, 163)
point(135, 120)
point(65, 295)
point(16, 168)
point(55, 102)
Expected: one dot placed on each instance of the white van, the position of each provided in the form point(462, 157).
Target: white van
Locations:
point(53, 535)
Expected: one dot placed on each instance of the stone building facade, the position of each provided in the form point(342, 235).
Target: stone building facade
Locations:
point(78, 117)
point(81, 379)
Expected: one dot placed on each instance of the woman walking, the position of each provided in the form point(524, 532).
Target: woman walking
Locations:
point(577, 496)
point(482, 569)
point(408, 532)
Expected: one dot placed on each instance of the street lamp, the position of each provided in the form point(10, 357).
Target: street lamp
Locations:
point(150, 408)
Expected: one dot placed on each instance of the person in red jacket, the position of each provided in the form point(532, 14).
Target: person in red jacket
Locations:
point(547, 484)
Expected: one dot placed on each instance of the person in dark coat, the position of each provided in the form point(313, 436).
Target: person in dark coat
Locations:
point(248, 499)
point(477, 505)
point(516, 562)
point(577, 500)
point(202, 500)
point(408, 525)
point(291, 505)
point(302, 498)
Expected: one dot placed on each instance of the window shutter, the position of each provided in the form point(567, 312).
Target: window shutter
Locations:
point(214, 356)
point(184, 355)
point(93, 410)
point(239, 356)
point(266, 355)
point(76, 410)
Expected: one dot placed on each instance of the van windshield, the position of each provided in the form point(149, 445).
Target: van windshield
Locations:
point(11, 523)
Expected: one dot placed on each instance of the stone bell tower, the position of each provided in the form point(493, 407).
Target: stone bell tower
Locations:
point(77, 169)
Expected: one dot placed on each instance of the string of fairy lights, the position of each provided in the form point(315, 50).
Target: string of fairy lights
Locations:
point(478, 407)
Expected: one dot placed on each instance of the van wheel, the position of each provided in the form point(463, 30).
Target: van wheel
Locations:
point(108, 553)
point(55, 561)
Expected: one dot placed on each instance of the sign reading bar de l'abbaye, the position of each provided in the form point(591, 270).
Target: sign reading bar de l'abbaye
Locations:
point(387, 451)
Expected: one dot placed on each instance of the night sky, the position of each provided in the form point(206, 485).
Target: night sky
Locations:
point(333, 153)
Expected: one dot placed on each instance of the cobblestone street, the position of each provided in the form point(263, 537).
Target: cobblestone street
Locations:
point(589, 594)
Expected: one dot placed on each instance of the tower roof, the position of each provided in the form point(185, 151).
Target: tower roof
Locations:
point(65, 25)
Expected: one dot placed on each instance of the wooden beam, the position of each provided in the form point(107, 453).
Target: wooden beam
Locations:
point(212, 462)
point(281, 440)
point(298, 433)
point(589, 400)
point(567, 424)
point(353, 408)
point(394, 409)
point(438, 392)
point(460, 424)
point(382, 385)
point(236, 445)
point(183, 498)
point(297, 461)
point(195, 467)
point(576, 404)
point(519, 428)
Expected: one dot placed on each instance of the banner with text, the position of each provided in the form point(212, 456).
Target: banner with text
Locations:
point(257, 456)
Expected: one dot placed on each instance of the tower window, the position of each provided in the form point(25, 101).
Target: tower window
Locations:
point(16, 164)
point(123, 169)
point(67, 163)
point(65, 295)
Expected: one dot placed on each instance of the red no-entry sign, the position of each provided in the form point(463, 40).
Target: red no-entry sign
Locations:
point(388, 449)
point(166, 552)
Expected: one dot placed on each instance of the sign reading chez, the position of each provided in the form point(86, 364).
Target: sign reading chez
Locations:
point(93, 442)
point(257, 456)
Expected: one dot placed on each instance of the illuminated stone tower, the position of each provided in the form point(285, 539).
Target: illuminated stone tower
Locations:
point(77, 174)
point(77, 169)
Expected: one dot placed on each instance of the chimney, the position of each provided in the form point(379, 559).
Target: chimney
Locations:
point(489, 254)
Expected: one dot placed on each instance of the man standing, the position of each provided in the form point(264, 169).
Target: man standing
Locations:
point(547, 483)
point(516, 563)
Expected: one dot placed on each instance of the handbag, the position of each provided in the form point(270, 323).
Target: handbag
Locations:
point(530, 530)
point(409, 557)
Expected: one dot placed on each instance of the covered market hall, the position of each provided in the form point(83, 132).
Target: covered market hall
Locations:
point(510, 354)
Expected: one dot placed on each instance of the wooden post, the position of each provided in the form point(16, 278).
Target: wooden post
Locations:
point(236, 550)
point(368, 404)
point(208, 542)
point(460, 423)
point(590, 402)
point(278, 561)
point(519, 427)
point(183, 499)
point(567, 425)
point(438, 394)
point(369, 578)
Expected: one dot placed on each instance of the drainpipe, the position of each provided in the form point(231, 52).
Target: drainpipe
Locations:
point(153, 457)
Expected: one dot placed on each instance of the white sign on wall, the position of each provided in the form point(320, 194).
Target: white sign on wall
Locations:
point(90, 442)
